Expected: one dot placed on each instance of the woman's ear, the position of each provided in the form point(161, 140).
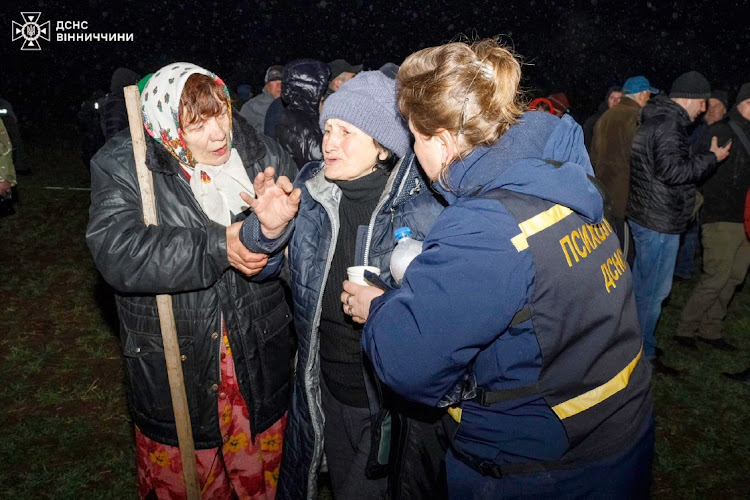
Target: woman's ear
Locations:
point(448, 145)
point(382, 154)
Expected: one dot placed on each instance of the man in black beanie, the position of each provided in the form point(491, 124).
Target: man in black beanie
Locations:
point(726, 250)
point(663, 178)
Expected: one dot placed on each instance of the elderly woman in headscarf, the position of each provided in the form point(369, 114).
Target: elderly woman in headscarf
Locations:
point(233, 324)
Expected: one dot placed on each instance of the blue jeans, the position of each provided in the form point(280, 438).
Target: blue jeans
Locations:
point(655, 256)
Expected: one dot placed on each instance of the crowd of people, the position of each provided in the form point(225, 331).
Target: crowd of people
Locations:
point(652, 155)
point(514, 357)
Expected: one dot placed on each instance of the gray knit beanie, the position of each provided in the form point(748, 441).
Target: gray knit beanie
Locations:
point(690, 85)
point(368, 101)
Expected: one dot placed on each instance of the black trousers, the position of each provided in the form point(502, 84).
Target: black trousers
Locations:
point(347, 446)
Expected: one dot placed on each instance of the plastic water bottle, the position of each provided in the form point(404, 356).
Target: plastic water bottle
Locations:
point(405, 251)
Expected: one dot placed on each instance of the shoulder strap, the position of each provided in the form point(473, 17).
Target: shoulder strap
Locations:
point(740, 135)
point(487, 398)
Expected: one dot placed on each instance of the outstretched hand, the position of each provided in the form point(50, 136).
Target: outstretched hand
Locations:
point(720, 152)
point(276, 203)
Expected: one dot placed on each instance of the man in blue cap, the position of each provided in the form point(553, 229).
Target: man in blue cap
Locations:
point(611, 146)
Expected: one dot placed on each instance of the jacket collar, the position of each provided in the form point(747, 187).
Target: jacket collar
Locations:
point(245, 139)
point(664, 106)
point(627, 102)
point(404, 181)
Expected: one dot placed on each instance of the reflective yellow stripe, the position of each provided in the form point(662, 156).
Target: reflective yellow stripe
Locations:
point(538, 223)
point(597, 395)
point(455, 412)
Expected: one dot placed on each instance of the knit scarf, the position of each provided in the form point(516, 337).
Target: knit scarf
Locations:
point(218, 189)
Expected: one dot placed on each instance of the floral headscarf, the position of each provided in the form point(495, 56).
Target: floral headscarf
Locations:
point(160, 104)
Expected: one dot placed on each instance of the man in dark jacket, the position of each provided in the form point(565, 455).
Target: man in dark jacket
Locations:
point(716, 109)
point(726, 250)
point(303, 84)
point(663, 178)
point(614, 94)
point(611, 146)
point(115, 116)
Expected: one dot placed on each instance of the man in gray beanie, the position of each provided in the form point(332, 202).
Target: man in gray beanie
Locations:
point(663, 178)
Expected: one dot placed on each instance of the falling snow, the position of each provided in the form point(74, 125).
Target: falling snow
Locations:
point(577, 46)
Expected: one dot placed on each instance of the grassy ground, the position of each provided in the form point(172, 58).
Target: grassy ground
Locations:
point(63, 418)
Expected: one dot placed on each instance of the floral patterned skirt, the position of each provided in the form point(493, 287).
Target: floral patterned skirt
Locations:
point(238, 469)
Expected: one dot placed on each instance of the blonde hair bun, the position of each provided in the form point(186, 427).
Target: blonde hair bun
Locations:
point(471, 90)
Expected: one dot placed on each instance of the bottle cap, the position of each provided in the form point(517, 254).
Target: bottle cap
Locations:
point(402, 232)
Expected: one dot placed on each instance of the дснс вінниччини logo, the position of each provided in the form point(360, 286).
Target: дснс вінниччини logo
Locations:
point(31, 31)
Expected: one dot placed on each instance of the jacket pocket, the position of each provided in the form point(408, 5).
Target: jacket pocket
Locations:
point(273, 331)
point(146, 375)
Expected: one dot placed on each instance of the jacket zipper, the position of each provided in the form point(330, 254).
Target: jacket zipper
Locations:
point(311, 477)
point(383, 199)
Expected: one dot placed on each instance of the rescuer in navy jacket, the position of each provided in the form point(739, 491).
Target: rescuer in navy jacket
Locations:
point(519, 314)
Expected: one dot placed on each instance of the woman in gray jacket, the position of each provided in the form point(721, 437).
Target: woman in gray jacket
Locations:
point(367, 185)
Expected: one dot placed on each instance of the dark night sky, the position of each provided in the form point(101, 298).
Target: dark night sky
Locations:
point(580, 47)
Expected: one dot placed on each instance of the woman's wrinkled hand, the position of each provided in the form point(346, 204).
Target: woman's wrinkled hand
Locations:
point(356, 300)
point(275, 204)
point(240, 258)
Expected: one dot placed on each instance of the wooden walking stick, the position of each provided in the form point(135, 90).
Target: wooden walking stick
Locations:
point(164, 304)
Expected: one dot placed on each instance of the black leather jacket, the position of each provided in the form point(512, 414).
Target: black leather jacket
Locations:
point(298, 131)
point(663, 172)
point(186, 255)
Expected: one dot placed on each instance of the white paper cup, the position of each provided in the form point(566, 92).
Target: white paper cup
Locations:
point(357, 274)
